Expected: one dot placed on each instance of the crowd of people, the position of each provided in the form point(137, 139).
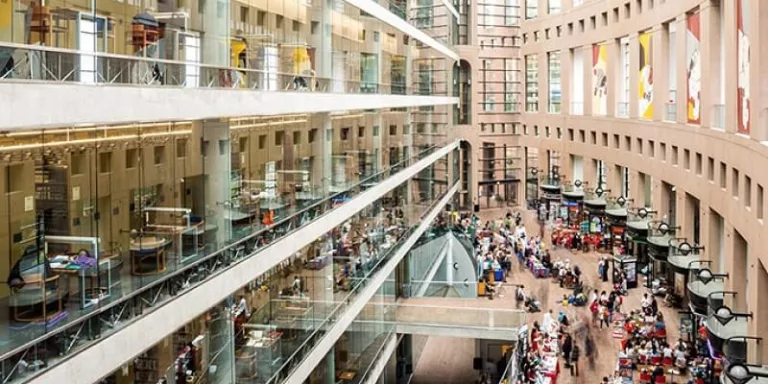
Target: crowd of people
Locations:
point(644, 354)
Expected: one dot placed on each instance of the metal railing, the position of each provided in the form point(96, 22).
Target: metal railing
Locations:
point(448, 316)
point(356, 288)
point(41, 63)
point(77, 334)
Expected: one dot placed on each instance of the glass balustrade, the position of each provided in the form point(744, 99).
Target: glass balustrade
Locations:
point(66, 304)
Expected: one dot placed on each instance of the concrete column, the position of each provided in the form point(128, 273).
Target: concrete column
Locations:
point(660, 44)
point(729, 267)
point(704, 231)
point(758, 91)
point(377, 140)
point(758, 305)
point(658, 199)
point(613, 71)
point(449, 263)
point(684, 215)
point(709, 42)
point(566, 167)
point(589, 80)
point(215, 37)
point(330, 367)
point(322, 167)
point(634, 70)
point(681, 65)
point(613, 179)
point(323, 42)
point(543, 8)
point(566, 79)
point(543, 65)
point(590, 172)
point(731, 67)
point(566, 5)
point(737, 268)
point(636, 190)
point(217, 164)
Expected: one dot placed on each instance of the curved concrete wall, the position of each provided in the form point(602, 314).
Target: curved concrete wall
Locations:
point(722, 168)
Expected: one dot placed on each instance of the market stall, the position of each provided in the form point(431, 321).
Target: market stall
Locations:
point(616, 221)
point(572, 206)
point(659, 274)
point(551, 195)
point(627, 264)
point(684, 259)
point(636, 235)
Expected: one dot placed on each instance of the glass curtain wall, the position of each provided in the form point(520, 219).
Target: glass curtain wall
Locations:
point(276, 45)
point(555, 89)
point(270, 324)
point(531, 83)
point(95, 213)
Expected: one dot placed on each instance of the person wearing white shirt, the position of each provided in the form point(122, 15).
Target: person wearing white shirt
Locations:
point(667, 351)
point(645, 302)
point(242, 307)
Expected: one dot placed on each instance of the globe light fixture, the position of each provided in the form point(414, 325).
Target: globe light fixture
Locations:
point(739, 373)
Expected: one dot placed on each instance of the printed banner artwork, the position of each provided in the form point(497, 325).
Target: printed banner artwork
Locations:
point(742, 47)
point(693, 56)
point(599, 80)
point(645, 79)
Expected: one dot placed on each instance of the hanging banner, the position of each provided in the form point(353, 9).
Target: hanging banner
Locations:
point(742, 47)
point(599, 80)
point(645, 79)
point(693, 57)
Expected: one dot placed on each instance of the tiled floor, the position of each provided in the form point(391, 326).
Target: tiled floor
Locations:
point(438, 361)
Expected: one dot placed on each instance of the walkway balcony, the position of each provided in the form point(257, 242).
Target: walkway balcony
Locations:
point(54, 87)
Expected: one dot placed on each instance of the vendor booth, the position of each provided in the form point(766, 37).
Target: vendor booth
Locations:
point(551, 195)
point(628, 265)
point(727, 330)
point(594, 208)
point(616, 221)
point(705, 290)
point(636, 234)
point(659, 273)
point(572, 208)
point(684, 259)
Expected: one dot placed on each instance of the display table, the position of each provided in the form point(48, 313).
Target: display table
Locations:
point(148, 255)
point(537, 268)
point(90, 282)
point(498, 275)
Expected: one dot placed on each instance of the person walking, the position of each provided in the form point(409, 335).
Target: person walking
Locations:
point(567, 348)
point(574, 365)
point(604, 317)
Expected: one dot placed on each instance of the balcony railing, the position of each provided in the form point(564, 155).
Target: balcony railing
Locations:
point(85, 328)
point(718, 116)
point(39, 63)
point(622, 109)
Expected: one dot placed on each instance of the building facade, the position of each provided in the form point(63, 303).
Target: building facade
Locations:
point(659, 102)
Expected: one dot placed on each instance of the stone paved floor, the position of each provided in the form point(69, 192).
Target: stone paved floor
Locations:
point(441, 360)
